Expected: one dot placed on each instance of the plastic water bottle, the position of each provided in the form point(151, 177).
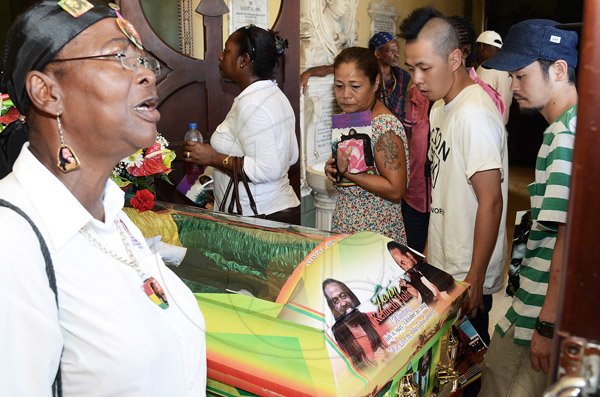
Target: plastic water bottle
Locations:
point(193, 170)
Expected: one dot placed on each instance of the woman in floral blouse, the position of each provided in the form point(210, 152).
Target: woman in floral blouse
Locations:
point(372, 203)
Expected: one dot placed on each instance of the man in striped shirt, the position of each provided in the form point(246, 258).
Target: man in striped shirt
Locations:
point(541, 59)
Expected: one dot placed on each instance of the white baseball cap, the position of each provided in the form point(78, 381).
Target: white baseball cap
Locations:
point(490, 37)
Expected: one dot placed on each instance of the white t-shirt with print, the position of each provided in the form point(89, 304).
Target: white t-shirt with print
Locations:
point(467, 136)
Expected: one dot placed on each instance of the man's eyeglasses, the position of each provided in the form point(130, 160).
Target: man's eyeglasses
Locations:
point(128, 62)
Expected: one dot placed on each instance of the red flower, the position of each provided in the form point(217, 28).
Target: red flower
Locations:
point(10, 116)
point(143, 200)
point(152, 164)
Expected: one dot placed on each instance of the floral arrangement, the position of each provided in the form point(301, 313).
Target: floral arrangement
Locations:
point(136, 174)
point(8, 112)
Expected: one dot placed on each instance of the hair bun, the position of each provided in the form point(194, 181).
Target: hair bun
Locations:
point(280, 44)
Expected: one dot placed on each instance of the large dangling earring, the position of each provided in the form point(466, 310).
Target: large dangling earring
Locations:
point(67, 161)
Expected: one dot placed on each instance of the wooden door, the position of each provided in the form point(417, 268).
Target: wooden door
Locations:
point(192, 89)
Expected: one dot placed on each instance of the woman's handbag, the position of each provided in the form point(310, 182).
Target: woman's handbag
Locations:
point(57, 385)
point(238, 175)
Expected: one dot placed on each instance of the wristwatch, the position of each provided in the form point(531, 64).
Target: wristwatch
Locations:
point(226, 161)
point(544, 328)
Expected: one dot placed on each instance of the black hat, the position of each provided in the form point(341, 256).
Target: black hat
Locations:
point(35, 38)
point(534, 39)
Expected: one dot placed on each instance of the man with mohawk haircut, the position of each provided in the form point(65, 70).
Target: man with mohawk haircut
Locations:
point(468, 157)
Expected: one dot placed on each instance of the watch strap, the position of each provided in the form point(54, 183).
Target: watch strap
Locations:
point(544, 328)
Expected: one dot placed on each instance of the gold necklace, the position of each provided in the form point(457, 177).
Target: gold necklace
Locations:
point(149, 284)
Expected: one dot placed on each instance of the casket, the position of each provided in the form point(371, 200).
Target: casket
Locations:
point(272, 326)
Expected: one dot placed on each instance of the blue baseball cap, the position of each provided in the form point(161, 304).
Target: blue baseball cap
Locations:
point(534, 39)
point(379, 39)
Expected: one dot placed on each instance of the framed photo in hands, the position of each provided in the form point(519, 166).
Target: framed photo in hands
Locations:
point(353, 131)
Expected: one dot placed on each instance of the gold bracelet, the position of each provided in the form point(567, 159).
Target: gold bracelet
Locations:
point(226, 161)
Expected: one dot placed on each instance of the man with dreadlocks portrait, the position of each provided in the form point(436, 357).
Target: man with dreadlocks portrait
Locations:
point(353, 330)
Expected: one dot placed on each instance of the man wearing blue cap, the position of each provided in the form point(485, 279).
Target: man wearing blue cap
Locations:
point(412, 108)
point(541, 59)
point(392, 92)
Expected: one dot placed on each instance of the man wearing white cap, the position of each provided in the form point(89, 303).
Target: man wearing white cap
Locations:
point(488, 45)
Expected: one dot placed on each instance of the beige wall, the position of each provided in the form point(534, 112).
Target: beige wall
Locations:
point(274, 6)
point(447, 7)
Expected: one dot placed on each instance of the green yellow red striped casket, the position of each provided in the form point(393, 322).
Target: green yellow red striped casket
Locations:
point(269, 326)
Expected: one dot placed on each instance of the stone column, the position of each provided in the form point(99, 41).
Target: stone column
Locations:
point(326, 27)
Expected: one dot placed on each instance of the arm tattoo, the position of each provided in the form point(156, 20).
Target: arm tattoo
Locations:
point(390, 150)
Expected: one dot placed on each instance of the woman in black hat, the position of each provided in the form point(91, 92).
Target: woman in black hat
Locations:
point(96, 307)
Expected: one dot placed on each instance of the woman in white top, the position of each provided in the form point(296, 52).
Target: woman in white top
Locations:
point(260, 127)
point(118, 322)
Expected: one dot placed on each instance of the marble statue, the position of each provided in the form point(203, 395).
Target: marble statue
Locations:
point(326, 27)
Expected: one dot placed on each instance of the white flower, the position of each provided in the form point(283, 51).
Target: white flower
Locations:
point(162, 140)
point(135, 160)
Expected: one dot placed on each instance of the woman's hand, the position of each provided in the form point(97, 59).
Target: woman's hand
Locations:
point(343, 160)
point(334, 167)
point(317, 71)
point(330, 170)
point(199, 153)
point(390, 159)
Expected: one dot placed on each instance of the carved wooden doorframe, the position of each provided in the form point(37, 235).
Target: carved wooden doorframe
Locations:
point(192, 90)
point(183, 71)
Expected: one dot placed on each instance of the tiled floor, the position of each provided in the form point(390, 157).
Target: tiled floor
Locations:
point(518, 199)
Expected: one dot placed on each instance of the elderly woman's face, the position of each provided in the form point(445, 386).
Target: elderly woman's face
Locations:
point(352, 88)
point(106, 106)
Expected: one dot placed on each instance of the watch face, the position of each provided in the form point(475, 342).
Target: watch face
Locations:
point(544, 328)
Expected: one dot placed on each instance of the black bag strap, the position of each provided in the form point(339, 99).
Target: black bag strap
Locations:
point(224, 199)
point(247, 186)
point(57, 385)
point(235, 195)
point(237, 173)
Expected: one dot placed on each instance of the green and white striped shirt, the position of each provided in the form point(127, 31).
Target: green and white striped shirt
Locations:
point(549, 201)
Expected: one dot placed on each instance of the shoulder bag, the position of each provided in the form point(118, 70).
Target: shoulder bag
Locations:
point(238, 175)
point(57, 385)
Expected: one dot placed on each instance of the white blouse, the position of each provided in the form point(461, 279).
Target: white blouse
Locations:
point(114, 339)
point(259, 126)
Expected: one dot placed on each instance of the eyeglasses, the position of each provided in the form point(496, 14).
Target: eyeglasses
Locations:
point(128, 62)
point(252, 53)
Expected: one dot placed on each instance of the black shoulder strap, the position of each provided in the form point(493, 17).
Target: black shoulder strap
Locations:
point(57, 385)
